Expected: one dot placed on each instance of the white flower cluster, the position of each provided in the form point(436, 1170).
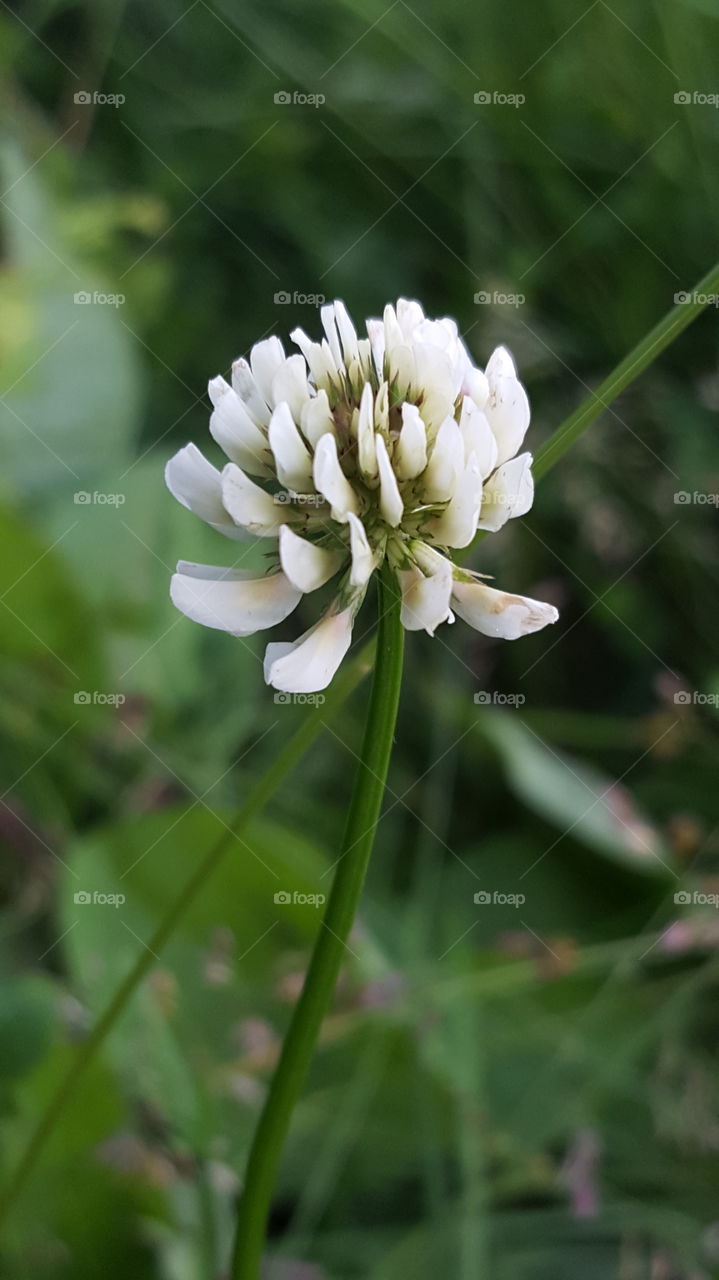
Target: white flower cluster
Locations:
point(392, 446)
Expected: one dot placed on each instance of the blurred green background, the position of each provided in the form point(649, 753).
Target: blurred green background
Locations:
point(520, 1090)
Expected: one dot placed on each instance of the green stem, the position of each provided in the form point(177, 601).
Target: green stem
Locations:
point(330, 947)
point(668, 328)
point(286, 759)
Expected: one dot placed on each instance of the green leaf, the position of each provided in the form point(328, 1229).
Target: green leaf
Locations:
point(575, 797)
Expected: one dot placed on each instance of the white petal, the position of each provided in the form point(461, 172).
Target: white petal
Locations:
point(198, 486)
point(366, 361)
point(331, 481)
point(234, 430)
point(363, 562)
point(402, 372)
point(500, 364)
point(409, 316)
point(410, 457)
point(445, 463)
point(435, 408)
point(436, 382)
point(327, 315)
point(495, 613)
point(243, 382)
point(366, 438)
point(425, 595)
point(509, 493)
point(375, 334)
point(478, 437)
point(437, 333)
point(393, 336)
point(445, 360)
point(293, 459)
point(249, 505)
point(507, 411)
point(330, 361)
point(309, 664)
point(316, 419)
point(231, 600)
point(457, 524)
point(347, 331)
point(476, 385)
point(265, 359)
point(390, 501)
point(355, 377)
point(321, 367)
point(290, 383)
point(306, 565)
point(381, 411)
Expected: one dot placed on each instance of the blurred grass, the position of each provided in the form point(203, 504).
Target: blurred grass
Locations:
point(471, 1047)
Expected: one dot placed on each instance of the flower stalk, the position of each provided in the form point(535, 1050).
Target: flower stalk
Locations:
point(331, 945)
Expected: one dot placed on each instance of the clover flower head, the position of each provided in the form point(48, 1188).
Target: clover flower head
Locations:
point(358, 450)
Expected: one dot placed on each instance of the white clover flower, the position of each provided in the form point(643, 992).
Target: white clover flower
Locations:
point(356, 451)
